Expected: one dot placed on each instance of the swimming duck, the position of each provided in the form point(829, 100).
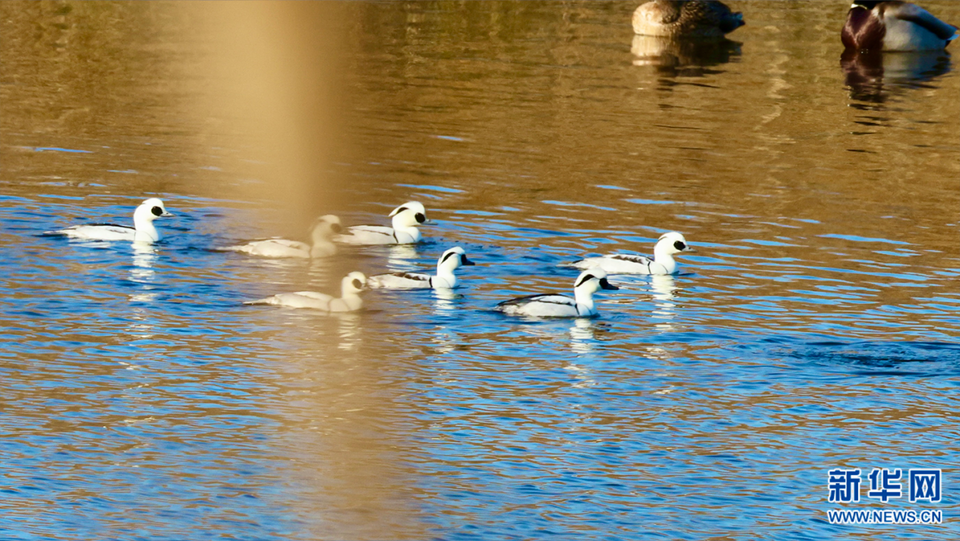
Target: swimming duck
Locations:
point(553, 305)
point(662, 263)
point(321, 235)
point(894, 26)
point(406, 218)
point(142, 231)
point(685, 19)
point(450, 261)
point(349, 301)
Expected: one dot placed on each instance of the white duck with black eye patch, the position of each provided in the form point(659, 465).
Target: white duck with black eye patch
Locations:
point(349, 301)
point(553, 305)
point(670, 244)
point(142, 231)
point(321, 236)
point(450, 261)
point(404, 219)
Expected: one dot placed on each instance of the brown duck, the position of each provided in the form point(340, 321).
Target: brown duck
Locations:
point(685, 19)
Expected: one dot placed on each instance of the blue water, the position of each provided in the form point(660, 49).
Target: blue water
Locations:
point(816, 327)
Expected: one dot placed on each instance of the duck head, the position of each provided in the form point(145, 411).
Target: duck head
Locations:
point(452, 259)
point(325, 227)
point(671, 243)
point(353, 283)
point(592, 280)
point(409, 214)
point(150, 210)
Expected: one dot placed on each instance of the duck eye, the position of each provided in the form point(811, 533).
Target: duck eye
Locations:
point(679, 245)
point(357, 284)
point(421, 218)
point(157, 211)
point(336, 228)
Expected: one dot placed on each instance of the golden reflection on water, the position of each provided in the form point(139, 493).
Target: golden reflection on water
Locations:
point(548, 116)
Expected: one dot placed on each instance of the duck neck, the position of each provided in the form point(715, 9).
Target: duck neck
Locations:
point(665, 259)
point(145, 231)
point(351, 298)
point(322, 247)
point(584, 298)
point(406, 231)
point(447, 276)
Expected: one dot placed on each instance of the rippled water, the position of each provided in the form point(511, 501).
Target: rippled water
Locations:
point(816, 326)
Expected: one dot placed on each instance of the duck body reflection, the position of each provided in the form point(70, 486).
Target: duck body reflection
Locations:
point(872, 75)
point(682, 55)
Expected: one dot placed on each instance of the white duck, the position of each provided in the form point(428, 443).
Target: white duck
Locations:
point(349, 301)
point(321, 234)
point(662, 263)
point(553, 305)
point(142, 231)
point(406, 218)
point(450, 261)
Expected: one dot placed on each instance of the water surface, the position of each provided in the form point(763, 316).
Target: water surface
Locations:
point(816, 326)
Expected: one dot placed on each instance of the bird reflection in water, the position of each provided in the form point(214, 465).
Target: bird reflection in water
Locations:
point(401, 256)
point(444, 301)
point(663, 288)
point(680, 56)
point(583, 341)
point(144, 257)
point(874, 76)
point(583, 336)
point(349, 330)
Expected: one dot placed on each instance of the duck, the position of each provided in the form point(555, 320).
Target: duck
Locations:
point(142, 231)
point(349, 301)
point(321, 235)
point(894, 26)
point(405, 220)
point(663, 262)
point(450, 261)
point(554, 305)
point(685, 19)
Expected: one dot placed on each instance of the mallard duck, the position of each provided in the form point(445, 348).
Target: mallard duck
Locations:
point(894, 26)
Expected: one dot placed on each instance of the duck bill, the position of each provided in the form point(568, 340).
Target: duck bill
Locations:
point(465, 261)
point(166, 215)
point(604, 284)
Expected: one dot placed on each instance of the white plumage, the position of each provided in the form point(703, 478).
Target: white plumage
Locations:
point(553, 305)
point(349, 301)
point(405, 220)
point(142, 231)
point(449, 262)
point(662, 263)
point(321, 236)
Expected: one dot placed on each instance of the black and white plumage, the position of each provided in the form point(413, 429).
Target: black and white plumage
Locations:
point(445, 278)
point(685, 19)
point(321, 236)
point(670, 244)
point(143, 230)
point(894, 26)
point(554, 305)
point(349, 300)
point(405, 220)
